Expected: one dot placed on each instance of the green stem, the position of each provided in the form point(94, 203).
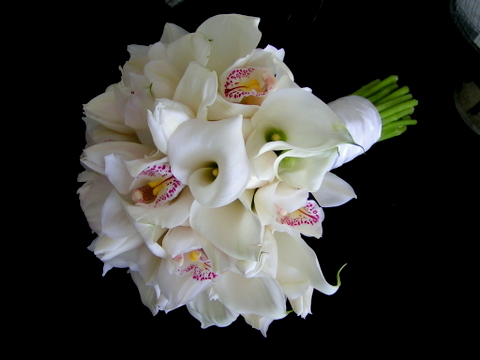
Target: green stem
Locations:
point(394, 105)
point(388, 104)
point(398, 108)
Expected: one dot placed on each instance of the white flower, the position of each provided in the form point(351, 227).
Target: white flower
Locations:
point(295, 138)
point(210, 157)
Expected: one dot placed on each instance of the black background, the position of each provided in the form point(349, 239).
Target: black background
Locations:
point(408, 240)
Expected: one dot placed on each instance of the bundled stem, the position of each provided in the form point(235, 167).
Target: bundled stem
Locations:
point(394, 104)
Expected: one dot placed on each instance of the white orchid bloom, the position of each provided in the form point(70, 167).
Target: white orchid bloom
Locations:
point(248, 81)
point(210, 157)
point(187, 271)
point(362, 120)
point(286, 208)
point(121, 242)
point(303, 130)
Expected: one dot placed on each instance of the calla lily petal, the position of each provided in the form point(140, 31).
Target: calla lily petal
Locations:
point(298, 267)
point(304, 169)
point(210, 157)
point(315, 128)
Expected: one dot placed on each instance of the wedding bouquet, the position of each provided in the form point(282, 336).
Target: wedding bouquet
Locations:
point(207, 167)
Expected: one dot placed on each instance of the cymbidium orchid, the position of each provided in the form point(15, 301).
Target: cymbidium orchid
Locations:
point(207, 167)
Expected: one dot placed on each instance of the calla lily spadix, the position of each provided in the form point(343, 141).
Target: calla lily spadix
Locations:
point(210, 157)
point(208, 172)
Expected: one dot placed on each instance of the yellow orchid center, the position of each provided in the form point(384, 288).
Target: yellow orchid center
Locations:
point(194, 255)
point(162, 188)
point(248, 85)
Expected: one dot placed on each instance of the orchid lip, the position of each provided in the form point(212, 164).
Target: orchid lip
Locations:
point(241, 84)
point(161, 188)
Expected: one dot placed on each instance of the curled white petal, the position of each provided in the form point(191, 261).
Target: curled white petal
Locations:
point(210, 157)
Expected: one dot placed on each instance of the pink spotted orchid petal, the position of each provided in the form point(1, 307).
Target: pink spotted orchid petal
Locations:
point(307, 220)
point(242, 83)
point(159, 185)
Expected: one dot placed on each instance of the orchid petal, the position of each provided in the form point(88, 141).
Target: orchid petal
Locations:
point(258, 322)
point(191, 47)
point(334, 191)
point(150, 295)
point(210, 312)
point(92, 196)
point(103, 109)
point(298, 267)
point(172, 32)
point(197, 89)
point(210, 157)
point(115, 223)
point(164, 77)
point(261, 296)
point(117, 173)
point(222, 109)
point(178, 290)
point(96, 133)
point(236, 231)
point(168, 215)
point(136, 114)
point(231, 37)
point(180, 240)
point(94, 156)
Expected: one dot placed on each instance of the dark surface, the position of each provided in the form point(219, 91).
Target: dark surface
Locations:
point(409, 239)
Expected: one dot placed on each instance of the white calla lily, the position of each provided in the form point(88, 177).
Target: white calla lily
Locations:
point(298, 267)
point(295, 119)
point(210, 157)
